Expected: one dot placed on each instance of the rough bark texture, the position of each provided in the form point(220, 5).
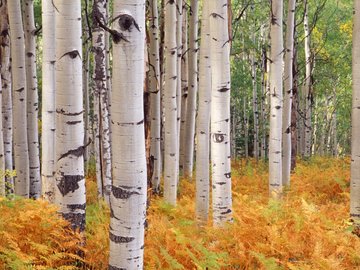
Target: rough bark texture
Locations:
point(288, 92)
point(307, 87)
point(171, 144)
point(102, 138)
point(128, 196)
point(70, 148)
point(184, 84)
point(193, 89)
point(355, 135)
point(203, 121)
point(21, 152)
point(32, 99)
point(6, 94)
point(276, 96)
point(154, 74)
point(220, 113)
point(48, 102)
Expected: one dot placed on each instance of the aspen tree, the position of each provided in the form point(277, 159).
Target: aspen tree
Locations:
point(355, 134)
point(69, 176)
point(21, 152)
point(203, 121)
point(307, 87)
point(101, 129)
point(2, 159)
point(184, 83)
point(155, 102)
point(32, 99)
point(48, 102)
point(6, 95)
point(288, 87)
point(220, 112)
point(128, 195)
point(179, 21)
point(192, 89)
point(170, 128)
point(276, 102)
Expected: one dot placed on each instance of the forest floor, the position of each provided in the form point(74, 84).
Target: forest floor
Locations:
point(308, 229)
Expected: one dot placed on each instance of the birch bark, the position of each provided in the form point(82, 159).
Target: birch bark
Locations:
point(355, 134)
point(155, 102)
point(276, 99)
point(192, 90)
point(69, 176)
point(32, 99)
point(128, 195)
point(21, 152)
point(48, 102)
point(171, 144)
point(203, 121)
point(6, 96)
point(220, 113)
point(288, 85)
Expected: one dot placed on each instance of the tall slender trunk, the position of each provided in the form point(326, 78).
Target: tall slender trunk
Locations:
point(294, 110)
point(288, 88)
point(276, 89)
point(184, 84)
point(171, 145)
point(21, 152)
point(220, 113)
point(262, 104)
point(2, 159)
point(32, 99)
point(155, 102)
point(179, 21)
point(102, 142)
point(7, 110)
point(246, 128)
point(193, 89)
point(203, 121)
point(307, 87)
point(355, 134)
point(48, 102)
point(255, 95)
point(128, 195)
point(69, 176)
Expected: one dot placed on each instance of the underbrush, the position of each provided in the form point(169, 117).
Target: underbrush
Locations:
point(308, 229)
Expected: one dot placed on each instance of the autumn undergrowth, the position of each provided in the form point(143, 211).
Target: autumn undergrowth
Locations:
point(308, 229)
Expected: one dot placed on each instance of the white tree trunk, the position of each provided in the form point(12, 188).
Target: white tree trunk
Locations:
point(179, 14)
point(288, 88)
point(6, 96)
point(2, 158)
point(32, 99)
point(102, 140)
point(276, 99)
point(220, 112)
point(307, 87)
point(48, 102)
point(155, 102)
point(203, 121)
point(355, 134)
point(70, 180)
point(184, 83)
point(21, 152)
point(128, 196)
point(171, 143)
point(192, 91)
